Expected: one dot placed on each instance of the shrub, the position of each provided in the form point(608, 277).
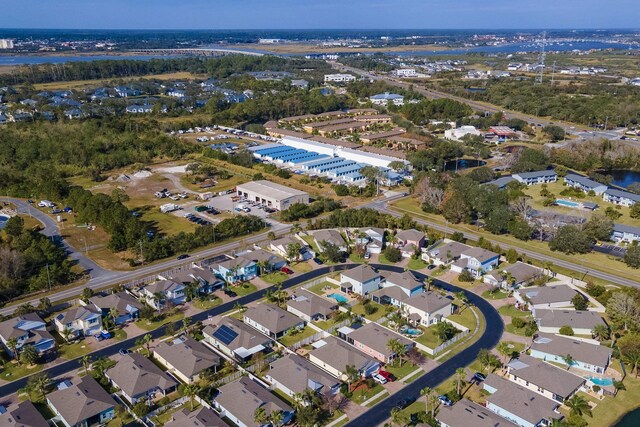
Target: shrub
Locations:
point(518, 322)
point(566, 330)
point(370, 309)
point(392, 254)
point(595, 290)
point(457, 236)
point(579, 303)
point(466, 276)
point(530, 329)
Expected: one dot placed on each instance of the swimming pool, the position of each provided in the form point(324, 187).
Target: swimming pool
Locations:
point(411, 331)
point(338, 297)
point(3, 220)
point(601, 381)
point(567, 203)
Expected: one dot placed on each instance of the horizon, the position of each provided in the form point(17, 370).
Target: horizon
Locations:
point(495, 30)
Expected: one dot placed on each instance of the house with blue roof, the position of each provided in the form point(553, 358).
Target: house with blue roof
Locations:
point(235, 270)
point(536, 177)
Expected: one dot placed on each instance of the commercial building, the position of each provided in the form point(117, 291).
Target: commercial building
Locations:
point(272, 195)
point(384, 98)
point(459, 133)
point(339, 78)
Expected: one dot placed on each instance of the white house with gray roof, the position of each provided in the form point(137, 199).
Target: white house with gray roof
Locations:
point(309, 306)
point(549, 296)
point(161, 292)
point(582, 322)
point(294, 374)
point(585, 184)
point(271, 320)
point(79, 321)
point(334, 355)
point(477, 261)
point(625, 233)
point(186, 358)
point(138, 378)
point(467, 413)
point(26, 329)
point(361, 280)
point(620, 197)
point(586, 356)
point(235, 339)
point(427, 308)
point(513, 275)
point(536, 177)
point(329, 236)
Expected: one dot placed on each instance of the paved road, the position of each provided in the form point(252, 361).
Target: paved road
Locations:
point(489, 339)
point(382, 206)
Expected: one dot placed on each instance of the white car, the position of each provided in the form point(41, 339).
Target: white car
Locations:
point(46, 204)
point(379, 378)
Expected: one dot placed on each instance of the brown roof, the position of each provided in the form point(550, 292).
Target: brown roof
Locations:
point(81, 401)
point(331, 236)
point(311, 304)
point(135, 374)
point(454, 249)
point(382, 135)
point(296, 118)
point(393, 292)
point(272, 317)
point(362, 273)
point(285, 132)
point(119, 300)
point(333, 122)
point(410, 234)
point(376, 337)
point(203, 417)
point(187, 356)
point(466, 413)
point(24, 415)
point(241, 398)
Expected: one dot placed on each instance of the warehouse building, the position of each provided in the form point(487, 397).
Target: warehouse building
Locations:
point(272, 195)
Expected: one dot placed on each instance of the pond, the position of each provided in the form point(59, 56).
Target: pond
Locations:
point(460, 164)
point(624, 178)
point(632, 419)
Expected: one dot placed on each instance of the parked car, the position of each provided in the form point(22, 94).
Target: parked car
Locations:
point(367, 255)
point(387, 375)
point(124, 351)
point(183, 256)
point(479, 377)
point(318, 261)
point(230, 293)
point(403, 403)
point(445, 400)
point(55, 211)
point(286, 270)
point(379, 378)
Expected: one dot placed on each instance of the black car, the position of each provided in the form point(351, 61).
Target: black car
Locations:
point(318, 261)
point(479, 377)
point(405, 402)
point(183, 256)
point(230, 293)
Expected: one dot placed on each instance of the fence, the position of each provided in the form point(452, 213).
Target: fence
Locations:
point(438, 349)
point(267, 360)
point(229, 378)
point(315, 337)
point(332, 328)
point(165, 408)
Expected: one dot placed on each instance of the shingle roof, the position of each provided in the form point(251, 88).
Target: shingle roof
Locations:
point(83, 400)
point(362, 273)
point(241, 398)
point(122, 301)
point(24, 415)
point(186, 355)
point(406, 280)
point(203, 417)
point(535, 174)
point(549, 294)
point(17, 326)
point(592, 354)
point(466, 413)
point(410, 234)
point(393, 292)
point(520, 271)
point(480, 254)
point(310, 303)
point(520, 401)
point(135, 374)
point(428, 302)
point(162, 286)
point(545, 375)
point(77, 313)
point(583, 180)
point(258, 255)
point(297, 374)
point(339, 354)
point(272, 317)
point(331, 236)
point(623, 228)
point(623, 194)
point(573, 318)
point(245, 337)
point(376, 337)
point(454, 249)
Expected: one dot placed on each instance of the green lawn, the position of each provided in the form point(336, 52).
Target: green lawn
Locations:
point(243, 289)
point(274, 277)
point(495, 294)
point(511, 311)
point(288, 340)
point(12, 371)
point(324, 324)
point(208, 303)
point(518, 331)
point(383, 260)
point(76, 349)
point(119, 335)
point(353, 257)
point(416, 264)
point(400, 371)
point(318, 289)
point(363, 394)
point(310, 242)
point(465, 318)
point(150, 326)
point(359, 310)
point(301, 267)
point(429, 338)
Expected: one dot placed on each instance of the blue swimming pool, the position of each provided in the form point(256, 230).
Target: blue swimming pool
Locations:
point(567, 203)
point(338, 297)
point(601, 381)
point(411, 331)
point(3, 220)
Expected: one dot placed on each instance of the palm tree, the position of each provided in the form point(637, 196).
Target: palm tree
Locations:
point(505, 350)
point(393, 344)
point(352, 374)
point(427, 393)
point(85, 361)
point(114, 314)
point(157, 299)
point(191, 391)
point(428, 281)
point(29, 355)
point(100, 365)
point(601, 332)
point(569, 360)
point(398, 417)
point(12, 344)
point(66, 333)
point(578, 406)
point(44, 305)
point(185, 325)
point(276, 418)
point(460, 374)
point(147, 342)
point(260, 416)
point(464, 299)
point(239, 307)
point(39, 383)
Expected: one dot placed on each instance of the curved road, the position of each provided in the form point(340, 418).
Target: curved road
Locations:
point(376, 415)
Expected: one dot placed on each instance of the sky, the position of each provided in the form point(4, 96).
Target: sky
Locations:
point(320, 14)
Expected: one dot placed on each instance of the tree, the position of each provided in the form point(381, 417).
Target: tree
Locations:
point(12, 345)
point(566, 330)
point(632, 255)
point(85, 361)
point(599, 227)
point(629, 346)
point(44, 305)
point(141, 408)
point(86, 294)
point(460, 375)
point(39, 383)
point(569, 360)
point(114, 314)
point(579, 302)
point(399, 418)
point(506, 350)
point(276, 417)
point(512, 256)
point(330, 251)
point(623, 310)
point(191, 391)
point(352, 374)
point(554, 132)
point(29, 355)
point(392, 254)
point(445, 331)
point(14, 226)
point(578, 406)
point(293, 251)
point(399, 349)
point(67, 333)
point(601, 332)
point(570, 240)
point(119, 195)
point(428, 393)
point(260, 416)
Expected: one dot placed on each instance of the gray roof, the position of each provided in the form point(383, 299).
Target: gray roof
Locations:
point(410, 234)
point(583, 180)
point(311, 304)
point(19, 325)
point(623, 228)
point(77, 313)
point(428, 302)
point(81, 401)
point(203, 417)
point(573, 318)
point(520, 401)
point(242, 397)
point(186, 355)
point(122, 301)
point(520, 271)
point(284, 241)
point(24, 415)
point(331, 236)
point(162, 286)
point(393, 292)
point(454, 249)
point(239, 262)
point(406, 280)
point(339, 354)
point(466, 413)
point(135, 374)
point(480, 254)
point(260, 255)
point(280, 192)
point(272, 317)
point(246, 338)
point(549, 294)
point(536, 174)
point(362, 273)
point(297, 374)
point(501, 182)
point(623, 194)
point(592, 354)
point(542, 374)
point(376, 337)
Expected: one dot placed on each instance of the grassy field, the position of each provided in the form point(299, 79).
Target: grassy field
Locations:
point(428, 338)
point(207, 304)
point(416, 264)
point(359, 309)
point(150, 326)
point(76, 349)
point(594, 260)
point(401, 371)
point(363, 394)
point(12, 370)
point(494, 294)
point(512, 311)
point(244, 289)
point(466, 317)
point(319, 288)
point(274, 278)
point(288, 340)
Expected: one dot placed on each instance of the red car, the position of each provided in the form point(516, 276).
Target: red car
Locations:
point(286, 270)
point(387, 375)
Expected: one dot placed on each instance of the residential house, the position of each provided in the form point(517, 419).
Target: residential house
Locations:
point(280, 246)
point(373, 338)
point(513, 276)
point(586, 356)
point(82, 404)
point(309, 306)
point(549, 296)
point(239, 400)
point(619, 197)
point(271, 320)
point(361, 280)
point(24, 414)
point(202, 417)
point(139, 108)
point(445, 252)
point(26, 329)
point(334, 355)
point(467, 413)
point(384, 98)
point(406, 281)
point(139, 379)
point(266, 261)
point(501, 182)
point(477, 261)
point(427, 308)
point(410, 241)
point(186, 358)
point(519, 404)
point(79, 322)
point(293, 374)
point(625, 233)
point(236, 270)
point(163, 292)
point(235, 339)
point(125, 91)
point(371, 238)
point(536, 177)
point(127, 307)
point(582, 322)
point(585, 184)
point(206, 279)
point(543, 378)
point(329, 236)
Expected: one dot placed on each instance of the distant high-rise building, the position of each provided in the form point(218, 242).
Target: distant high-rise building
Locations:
point(6, 44)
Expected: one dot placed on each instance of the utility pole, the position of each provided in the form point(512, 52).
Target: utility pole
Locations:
point(541, 58)
point(48, 277)
point(553, 72)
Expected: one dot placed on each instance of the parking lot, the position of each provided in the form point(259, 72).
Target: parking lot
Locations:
point(613, 250)
point(226, 204)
